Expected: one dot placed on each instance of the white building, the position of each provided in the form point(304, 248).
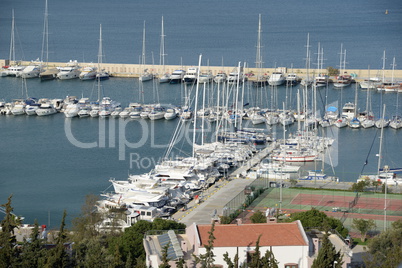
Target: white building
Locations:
point(288, 242)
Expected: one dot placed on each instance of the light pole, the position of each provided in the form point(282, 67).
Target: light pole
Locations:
point(386, 169)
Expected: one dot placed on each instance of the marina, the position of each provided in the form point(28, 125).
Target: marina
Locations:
point(152, 145)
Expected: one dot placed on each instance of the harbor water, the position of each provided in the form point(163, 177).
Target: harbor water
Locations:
point(51, 163)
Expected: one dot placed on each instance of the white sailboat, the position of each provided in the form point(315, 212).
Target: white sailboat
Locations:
point(260, 80)
point(15, 69)
point(343, 79)
point(396, 121)
point(48, 73)
point(165, 77)
point(101, 74)
point(321, 80)
point(146, 75)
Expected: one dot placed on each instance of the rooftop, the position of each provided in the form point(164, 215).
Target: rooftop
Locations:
point(272, 234)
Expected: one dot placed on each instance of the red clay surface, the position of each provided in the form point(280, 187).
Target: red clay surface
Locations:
point(344, 202)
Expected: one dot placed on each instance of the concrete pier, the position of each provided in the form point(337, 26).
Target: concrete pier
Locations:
point(134, 70)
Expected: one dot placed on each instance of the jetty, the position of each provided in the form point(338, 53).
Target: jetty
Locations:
point(135, 70)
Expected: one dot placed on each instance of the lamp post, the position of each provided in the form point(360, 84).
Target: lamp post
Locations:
point(386, 169)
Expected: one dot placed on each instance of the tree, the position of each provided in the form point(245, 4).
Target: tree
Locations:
point(84, 224)
point(7, 237)
point(165, 260)
point(314, 218)
point(363, 226)
point(360, 186)
point(385, 250)
point(33, 253)
point(332, 71)
point(207, 260)
point(258, 217)
point(229, 262)
point(375, 184)
point(225, 219)
point(57, 257)
point(327, 255)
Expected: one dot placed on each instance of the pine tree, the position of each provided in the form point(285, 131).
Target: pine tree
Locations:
point(267, 261)
point(7, 237)
point(207, 260)
point(33, 252)
point(180, 263)
point(327, 255)
point(165, 260)
point(57, 257)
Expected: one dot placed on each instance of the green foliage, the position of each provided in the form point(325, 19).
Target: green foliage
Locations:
point(33, 253)
point(360, 186)
point(57, 257)
point(165, 260)
point(180, 263)
point(293, 182)
point(225, 219)
point(266, 261)
point(397, 224)
point(161, 224)
point(7, 238)
point(332, 71)
point(258, 217)
point(84, 224)
point(229, 262)
point(314, 218)
point(327, 255)
point(363, 226)
point(386, 249)
point(375, 184)
point(207, 260)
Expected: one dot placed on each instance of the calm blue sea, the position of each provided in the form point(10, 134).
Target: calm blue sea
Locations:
point(46, 170)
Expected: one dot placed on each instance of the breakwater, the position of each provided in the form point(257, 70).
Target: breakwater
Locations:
point(134, 70)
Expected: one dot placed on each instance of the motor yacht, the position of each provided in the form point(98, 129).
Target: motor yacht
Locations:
point(88, 73)
point(177, 76)
point(70, 71)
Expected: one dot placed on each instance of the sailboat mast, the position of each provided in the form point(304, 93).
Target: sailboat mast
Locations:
point(308, 56)
point(45, 39)
point(162, 48)
point(196, 103)
point(12, 44)
point(143, 46)
point(380, 149)
point(100, 48)
point(258, 57)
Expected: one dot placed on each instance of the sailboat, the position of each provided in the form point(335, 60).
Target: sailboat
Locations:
point(48, 73)
point(367, 117)
point(102, 74)
point(382, 175)
point(396, 121)
point(321, 80)
point(16, 69)
point(146, 75)
point(307, 81)
point(260, 80)
point(165, 78)
point(354, 122)
point(343, 79)
point(391, 86)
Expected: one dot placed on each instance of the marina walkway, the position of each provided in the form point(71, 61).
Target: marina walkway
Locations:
point(212, 201)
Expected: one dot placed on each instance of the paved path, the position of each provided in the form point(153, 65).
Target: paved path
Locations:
point(212, 200)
